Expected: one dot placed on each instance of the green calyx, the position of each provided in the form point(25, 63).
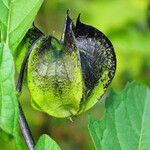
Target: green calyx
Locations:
point(54, 79)
point(32, 35)
point(67, 77)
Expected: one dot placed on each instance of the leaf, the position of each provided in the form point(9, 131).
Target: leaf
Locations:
point(126, 122)
point(46, 143)
point(16, 18)
point(8, 101)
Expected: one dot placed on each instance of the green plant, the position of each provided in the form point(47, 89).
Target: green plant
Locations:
point(71, 74)
point(13, 27)
point(126, 121)
point(85, 61)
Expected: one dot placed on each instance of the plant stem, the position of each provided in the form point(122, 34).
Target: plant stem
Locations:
point(25, 130)
point(22, 119)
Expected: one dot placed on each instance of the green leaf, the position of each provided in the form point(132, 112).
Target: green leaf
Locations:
point(46, 143)
point(16, 18)
point(8, 101)
point(126, 122)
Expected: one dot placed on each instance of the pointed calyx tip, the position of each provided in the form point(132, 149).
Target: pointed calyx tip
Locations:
point(78, 19)
point(68, 11)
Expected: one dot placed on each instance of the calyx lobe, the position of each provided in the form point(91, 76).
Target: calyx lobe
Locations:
point(95, 51)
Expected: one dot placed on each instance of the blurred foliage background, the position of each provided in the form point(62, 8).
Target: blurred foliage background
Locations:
point(127, 25)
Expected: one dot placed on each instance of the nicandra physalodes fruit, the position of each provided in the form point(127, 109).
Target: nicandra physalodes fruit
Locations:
point(67, 77)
